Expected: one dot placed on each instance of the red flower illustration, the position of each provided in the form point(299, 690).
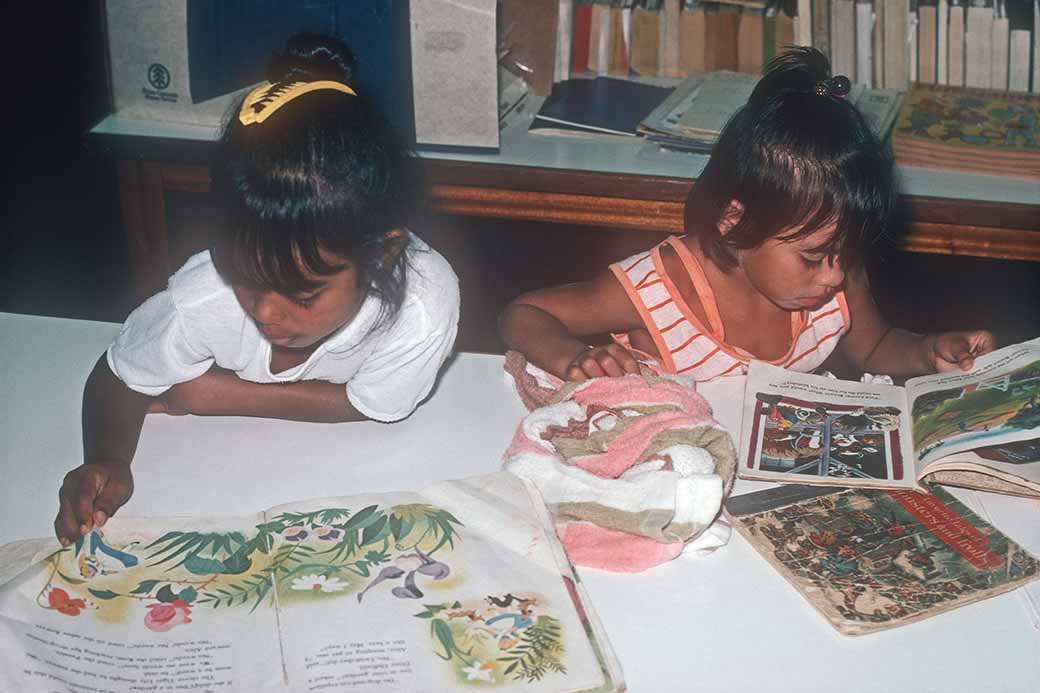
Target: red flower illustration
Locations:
point(59, 600)
point(165, 615)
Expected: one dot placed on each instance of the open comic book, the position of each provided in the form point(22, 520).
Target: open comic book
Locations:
point(456, 587)
point(979, 429)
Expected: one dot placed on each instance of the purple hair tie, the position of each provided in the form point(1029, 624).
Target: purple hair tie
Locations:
point(837, 87)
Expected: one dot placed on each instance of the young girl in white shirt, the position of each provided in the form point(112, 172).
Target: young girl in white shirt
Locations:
point(315, 303)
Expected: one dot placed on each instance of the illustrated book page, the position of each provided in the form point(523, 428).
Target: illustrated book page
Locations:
point(982, 428)
point(979, 429)
point(872, 559)
point(461, 585)
point(810, 429)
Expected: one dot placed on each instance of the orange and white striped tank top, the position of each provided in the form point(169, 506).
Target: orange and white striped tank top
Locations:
point(687, 347)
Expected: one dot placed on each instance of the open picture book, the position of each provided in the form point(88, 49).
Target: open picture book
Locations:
point(977, 429)
point(462, 585)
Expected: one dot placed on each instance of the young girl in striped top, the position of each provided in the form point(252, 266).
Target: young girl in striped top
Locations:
point(771, 264)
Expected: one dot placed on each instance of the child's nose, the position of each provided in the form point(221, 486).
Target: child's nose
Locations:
point(266, 307)
point(833, 274)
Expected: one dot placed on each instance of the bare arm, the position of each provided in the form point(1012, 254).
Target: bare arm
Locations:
point(220, 392)
point(874, 346)
point(546, 326)
point(112, 418)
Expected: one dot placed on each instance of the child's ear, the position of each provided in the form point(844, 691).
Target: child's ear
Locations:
point(731, 216)
point(394, 242)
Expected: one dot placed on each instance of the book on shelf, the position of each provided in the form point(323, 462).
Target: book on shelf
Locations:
point(942, 42)
point(668, 38)
point(643, 57)
point(695, 43)
point(978, 45)
point(803, 23)
point(582, 28)
point(564, 37)
point(726, 28)
point(617, 51)
point(984, 131)
point(603, 106)
point(864, 44)
point(911, 55)
point(527, 40)
point(873, 559)
point(955, 57)
point(461, 584)
point(821, 26)
point(998, 77)
point(751, 38)
point(843, 38)
point(979, 429)
point(701, 106)
point(926, 37)
point(896, 29)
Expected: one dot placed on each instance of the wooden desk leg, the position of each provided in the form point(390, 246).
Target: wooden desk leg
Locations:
point(144, 223)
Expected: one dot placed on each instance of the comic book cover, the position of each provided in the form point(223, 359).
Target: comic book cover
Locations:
point(872, 559)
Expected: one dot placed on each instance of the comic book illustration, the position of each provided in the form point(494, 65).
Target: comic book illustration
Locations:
point(872, 559)
point(977, 429)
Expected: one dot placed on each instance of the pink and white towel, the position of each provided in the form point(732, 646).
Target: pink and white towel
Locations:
point(633, 469)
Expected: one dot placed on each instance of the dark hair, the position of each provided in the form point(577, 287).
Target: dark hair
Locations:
point(797, 161)
point(324, 171)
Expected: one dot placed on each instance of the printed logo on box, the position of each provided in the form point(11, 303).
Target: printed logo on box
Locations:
point(159, 78)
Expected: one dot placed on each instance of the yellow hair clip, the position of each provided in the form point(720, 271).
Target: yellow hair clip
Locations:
point(268, 98)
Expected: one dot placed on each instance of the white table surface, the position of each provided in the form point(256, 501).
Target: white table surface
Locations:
point(725, 622)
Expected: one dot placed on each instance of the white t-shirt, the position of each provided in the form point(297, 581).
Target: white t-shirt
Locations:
point(389, 368)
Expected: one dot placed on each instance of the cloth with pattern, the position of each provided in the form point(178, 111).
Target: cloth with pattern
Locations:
point(633, 469)
point(689, 347)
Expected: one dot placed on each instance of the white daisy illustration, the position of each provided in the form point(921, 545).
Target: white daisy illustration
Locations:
point(480, 671)
point(318, 583)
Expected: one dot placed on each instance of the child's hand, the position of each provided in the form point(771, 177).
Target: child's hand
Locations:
point(90, 495)
point(949, 351)
point(595, 362)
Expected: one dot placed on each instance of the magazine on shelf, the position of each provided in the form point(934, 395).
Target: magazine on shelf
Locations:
point(977, 429)
point(462, 585)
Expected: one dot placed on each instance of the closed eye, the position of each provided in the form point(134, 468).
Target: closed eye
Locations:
point(812, 260)
point(305, 301)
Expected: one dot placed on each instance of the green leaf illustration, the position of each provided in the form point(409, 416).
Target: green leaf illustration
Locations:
point(166, 594)
point(145, 586)
point(362, 518)
point(103, 594)
point(203, 566)
point(237, 563)
point(188, 594)
point(374, 531)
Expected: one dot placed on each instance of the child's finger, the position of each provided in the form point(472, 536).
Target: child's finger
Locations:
point(626, 360)
point(68, 525)
point(110, 499)
point(610, 365)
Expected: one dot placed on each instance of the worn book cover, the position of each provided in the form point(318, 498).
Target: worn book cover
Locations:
point(969, 129)
point(869, 559)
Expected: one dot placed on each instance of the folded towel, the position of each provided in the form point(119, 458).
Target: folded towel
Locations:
point(632, 468)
